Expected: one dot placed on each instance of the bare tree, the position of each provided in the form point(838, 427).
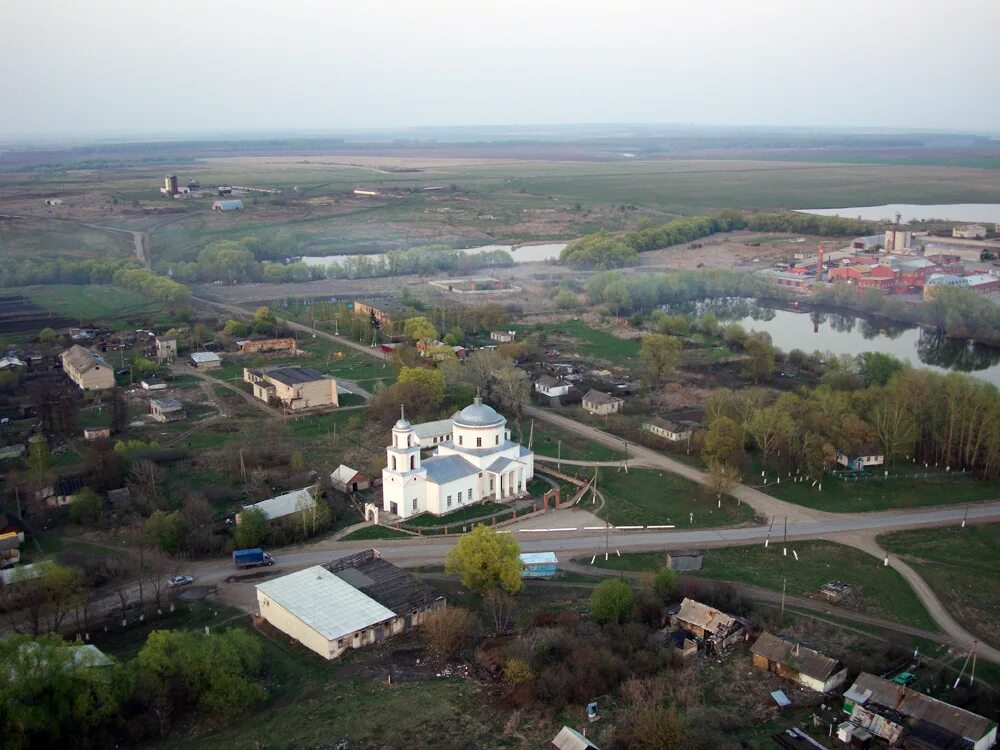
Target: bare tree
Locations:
point(500, 609)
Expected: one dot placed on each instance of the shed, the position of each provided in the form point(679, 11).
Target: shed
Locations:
point(835, 591)
point(346, 479)
point(798, 663)
point(570, 739)
point(285, 505)
point(538, 564)
point(118, 496)
point(684, 559)
point(167, 410)
point(234, 204)
point(716, 630)
point(153, 384)
point(206, 360)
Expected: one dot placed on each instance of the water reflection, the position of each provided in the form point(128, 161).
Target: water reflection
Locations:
point(934, 348)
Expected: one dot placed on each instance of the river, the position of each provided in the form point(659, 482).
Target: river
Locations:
point(521, 253)
point(982, 212)
point(848, 334)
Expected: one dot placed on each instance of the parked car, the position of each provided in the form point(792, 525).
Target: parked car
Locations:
point(180, 581)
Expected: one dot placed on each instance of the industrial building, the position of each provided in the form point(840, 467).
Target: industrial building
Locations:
point(294, 388)
point(88, 370)
point(351, 602)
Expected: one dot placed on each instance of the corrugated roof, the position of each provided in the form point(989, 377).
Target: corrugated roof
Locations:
point(285, 505)
point(430, 429)
point(205, 357)
point(598, 397)
point(539, 558)
point(324, 602)
point(444, 469)
point(805, 660)
point(919, 706)
point(668, 424)
point(82, 359)
point(296, 375)
point(166, 404)
point(705, 617)
point(570, 739)
point(392, 587)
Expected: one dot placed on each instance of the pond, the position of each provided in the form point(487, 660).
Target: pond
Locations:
point(849, 334)
point(981, 212)
point(521, 253)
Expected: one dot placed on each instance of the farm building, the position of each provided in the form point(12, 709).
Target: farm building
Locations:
point(597, 402)
point(351, 602)
point(570, 739)
point(668, 429)
point(88, 370)
point(715, 630)
point(684, 559)
point(552, 387)
point(503, 337)
point(266, 345)
point(166, 348)
point(860, 459)
point(206, 360)
point(797, 663)
point(285, 505)
point(293, 387)
point(386, 312)
point(234, 204)
point(538, 564)
point(346, 479)
point(898, 714)
point(167, 410)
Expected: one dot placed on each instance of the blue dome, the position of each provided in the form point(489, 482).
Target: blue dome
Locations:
point(402, 424)
point(478, 414)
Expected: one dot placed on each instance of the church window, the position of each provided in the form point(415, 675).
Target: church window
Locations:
point(449, 501)
point(459, 439)
point(393, 463)
point(414, 505)
point(479, 442)
point(413, 462)
point(498, 440)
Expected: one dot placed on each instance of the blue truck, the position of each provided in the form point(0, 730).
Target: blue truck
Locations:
point(251, 558)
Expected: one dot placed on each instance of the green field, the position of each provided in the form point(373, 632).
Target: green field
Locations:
point(88, 304)
point(884, 592)
point(649, 497)
point(375, 532)
point(596, 344)
point(962, 566)
point(938, 488)
point(36, 240)
point(552, 441)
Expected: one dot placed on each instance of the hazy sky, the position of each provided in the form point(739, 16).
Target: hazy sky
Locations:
point(161, 66)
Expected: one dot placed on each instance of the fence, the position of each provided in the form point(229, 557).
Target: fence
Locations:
point(863, 476)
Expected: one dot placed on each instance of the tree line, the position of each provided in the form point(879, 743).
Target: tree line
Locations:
point(122, 272)
point(606, 250)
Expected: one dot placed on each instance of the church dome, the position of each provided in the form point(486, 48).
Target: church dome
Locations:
point(478, 414)
point(402, 424)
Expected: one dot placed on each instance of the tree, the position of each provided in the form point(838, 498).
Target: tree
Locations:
point(142, 367)
point(449, 629)
point(501, 609)
point(48, 336)
point(433, 380)
point(566, 300)
point(660, 354)
point(87, 509)
point(165, 531)
point(417, 399)
point(656, 729)
point(770, 428)
point(721, 477)
point(723, 439)
point(760, 364)
point(611, 601)
point(486, 560)
point(251, 529)
point(420, 329)
point(877, 368)
point(665, 583)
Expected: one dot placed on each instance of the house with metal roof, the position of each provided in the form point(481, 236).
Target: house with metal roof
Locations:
point(346, 479)
point(287, 504)
point(90, 371)
point(552, 387)
point(432, 434)
point(206, 360)
point(668, 429)
point(234, 204)
point(476, 461)
point(351, 602)
point(598, 402)
point(570, 739)
point(898, 714)
point(798, 663)
point(538, 564)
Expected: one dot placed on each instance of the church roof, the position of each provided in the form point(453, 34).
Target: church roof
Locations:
point(444, 469)
point(502, 464)
point(478, 414)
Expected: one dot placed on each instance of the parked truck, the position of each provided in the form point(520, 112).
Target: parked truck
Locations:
point(251, 558)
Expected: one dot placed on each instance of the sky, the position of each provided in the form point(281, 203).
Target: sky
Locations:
point(142, 67)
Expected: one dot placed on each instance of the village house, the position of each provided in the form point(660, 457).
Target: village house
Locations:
point(166, 348)
point(668, 429)
point(859, 460)
point(88, 370)
point(346, 479)
point(279, 507)
point(798, 663)
point(206, 360)
point(167, 410)
point(715, 631)
point(351, 602)
point(551, 387)
point(480, 462)
point(900, 715)
point(294, 388)
point(597, 402)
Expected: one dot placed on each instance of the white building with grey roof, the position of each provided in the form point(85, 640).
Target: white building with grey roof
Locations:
point(477, 462)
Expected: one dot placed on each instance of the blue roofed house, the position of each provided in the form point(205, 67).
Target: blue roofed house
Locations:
point(475, 461)
point(538, 564)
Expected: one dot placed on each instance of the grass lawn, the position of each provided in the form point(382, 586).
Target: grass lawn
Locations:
point(472, 511)
point(546, 441)
point(89, 303)
point(938, 488)
point(324, 424)
point(962, 566)
point(597, 344)
point(375, 532)
point(884, 593)
point(650, 497)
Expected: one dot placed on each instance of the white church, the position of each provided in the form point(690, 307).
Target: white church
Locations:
point(474, 460)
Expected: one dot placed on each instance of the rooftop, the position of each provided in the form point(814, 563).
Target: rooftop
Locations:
point(430, 429)
point(805, 660)
point(325, 602)
point(205, 357)
point(285, 505)
point(703, 616)
point(539, 558)
point(166, 404)
point(599, 397)
point(478, 414)
point(82, 359)
point(444, 469)
point(295, 375)
point(392, 587)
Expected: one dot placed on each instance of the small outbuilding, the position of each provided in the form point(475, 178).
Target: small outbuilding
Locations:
point(234, 204)
point(206, 360)
point(716, 631)
point(153, 384)
point(800, 664)
point(346, 479)
point(538, 564)
point(285, 505)
point(570, 739)
point(167, 410)
point(96, 433)
point(684, 559)
point(552, 387)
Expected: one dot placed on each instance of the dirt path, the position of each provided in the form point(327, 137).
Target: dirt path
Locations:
point(765, 505)
point(269, 410)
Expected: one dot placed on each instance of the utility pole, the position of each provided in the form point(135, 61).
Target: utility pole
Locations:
point(784, 583)
point(559, 453)
point(784, 550)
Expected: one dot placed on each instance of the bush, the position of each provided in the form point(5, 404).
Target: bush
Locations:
point(517, 670)
point(611, 601)
point(449, 629)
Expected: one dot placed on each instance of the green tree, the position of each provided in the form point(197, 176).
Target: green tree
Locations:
point(263, 314)
point(420, 329)
point(251, 529)
point(877, 368)
point(87, 509)
point(656, 729)
point(486, 560)
point(48, 336)
point(665, 583)
point(566, 300)
point(142, 367)
point(611, 601)
point(433, 380)
point(165, 530)
point(760, 364)
point(660, 354)
point(236, 328)
point(723, 439)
